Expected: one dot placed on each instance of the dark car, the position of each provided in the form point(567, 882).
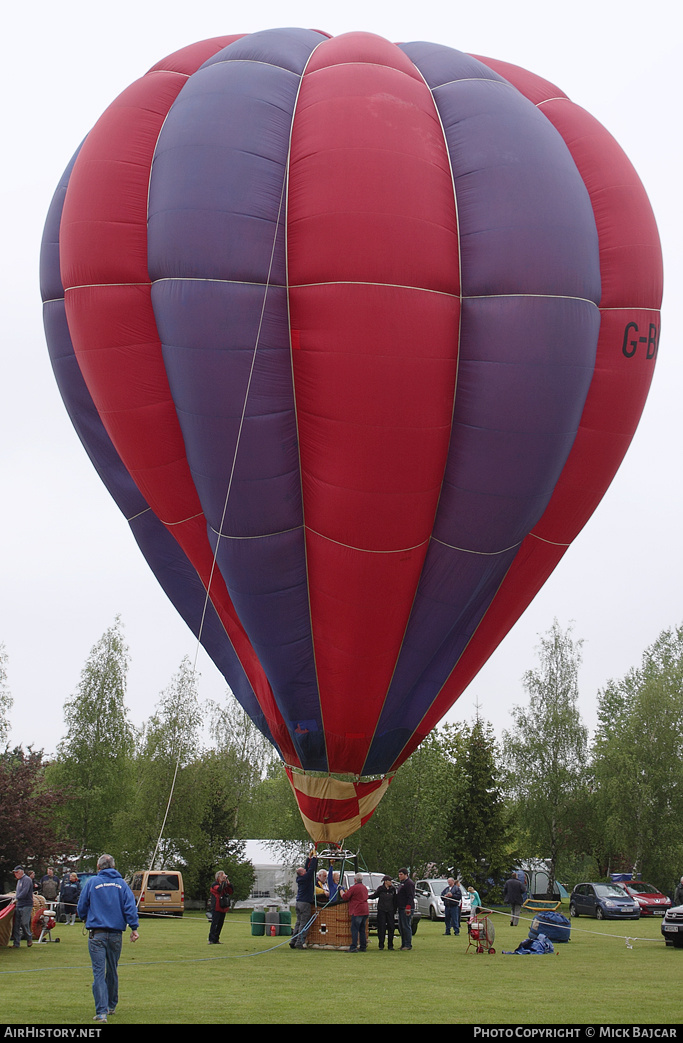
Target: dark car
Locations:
point(650, 899)
point(604, 901)
point(672, 926)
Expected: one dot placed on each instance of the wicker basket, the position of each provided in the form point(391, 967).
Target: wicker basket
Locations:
point(6, 922)
point(331, 928)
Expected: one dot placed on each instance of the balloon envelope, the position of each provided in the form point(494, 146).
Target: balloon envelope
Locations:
point(357, 335)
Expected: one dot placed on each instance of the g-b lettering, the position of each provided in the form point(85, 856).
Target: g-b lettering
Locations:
point(632, 340)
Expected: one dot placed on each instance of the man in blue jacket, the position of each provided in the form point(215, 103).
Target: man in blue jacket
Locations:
point(305, 897)
point(107, 906)
point(452, 900)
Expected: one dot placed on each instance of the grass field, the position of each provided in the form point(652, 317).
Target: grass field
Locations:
point(609, 972)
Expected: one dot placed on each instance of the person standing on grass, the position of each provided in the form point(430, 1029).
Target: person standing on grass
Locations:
point(386, 911)
point(68, 896)
point(513, 894)
point(678, 893)
point(107, 905)
point(49, 885)
point(405, 901)
point(23, 898)
point(452, 900)
point(219, 903)
point(305, 897)
point(359, 911)
point(475, 902)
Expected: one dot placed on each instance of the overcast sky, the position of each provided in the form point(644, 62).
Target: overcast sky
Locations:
point(69, 563)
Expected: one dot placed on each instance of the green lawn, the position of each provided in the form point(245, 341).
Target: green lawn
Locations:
point(171, 976)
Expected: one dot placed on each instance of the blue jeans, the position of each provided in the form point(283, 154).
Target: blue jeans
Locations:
point(105, 949)
point(405, 926)
point(452, 918)
point(21, 927)
point(359, 937)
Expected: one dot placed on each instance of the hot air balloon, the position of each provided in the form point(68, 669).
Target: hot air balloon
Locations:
point(356, 334)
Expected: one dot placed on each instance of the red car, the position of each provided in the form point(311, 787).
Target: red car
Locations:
point(651, 901)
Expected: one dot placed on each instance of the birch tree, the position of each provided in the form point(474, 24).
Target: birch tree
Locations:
point(546, 751)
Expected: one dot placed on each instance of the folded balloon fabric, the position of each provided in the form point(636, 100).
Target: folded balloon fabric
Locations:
point(540, 946)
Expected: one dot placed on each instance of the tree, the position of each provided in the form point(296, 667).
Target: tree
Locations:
point(410, 826)
point(239, 870)
point(222, 783)
point(638, 765)
point(94, 760)
point(271, 812)
point(30, 833)
point(161, 817)
point(209, 842)
point(245, 757)
point(546, 751)
point(223, 852)
point(5, 698)
point(479, 822)
point(173, 730)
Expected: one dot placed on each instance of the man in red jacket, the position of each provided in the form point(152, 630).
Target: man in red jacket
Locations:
point(359, 910)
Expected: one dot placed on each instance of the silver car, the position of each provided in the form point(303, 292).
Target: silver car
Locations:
point(672, 927)
point(430, 903)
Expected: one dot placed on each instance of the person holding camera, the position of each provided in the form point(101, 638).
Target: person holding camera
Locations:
point(219, 903)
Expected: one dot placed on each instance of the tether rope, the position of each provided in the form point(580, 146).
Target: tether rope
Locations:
point(579, 930)
point(627, 939)
point(219, 534)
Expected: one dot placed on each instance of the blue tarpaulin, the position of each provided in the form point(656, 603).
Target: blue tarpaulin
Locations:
point(539, 946)
point(554, 926)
